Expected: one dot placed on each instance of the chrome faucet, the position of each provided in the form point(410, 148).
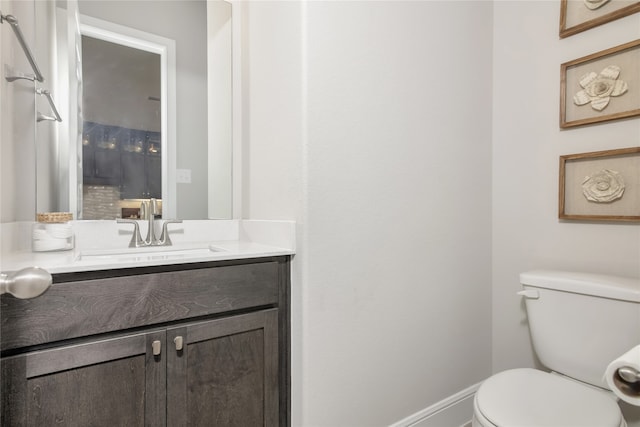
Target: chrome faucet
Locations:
point(148, 210)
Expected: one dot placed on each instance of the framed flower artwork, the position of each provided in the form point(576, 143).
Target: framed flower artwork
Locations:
point(580, 15)
point(601, 87)
point(601, 185)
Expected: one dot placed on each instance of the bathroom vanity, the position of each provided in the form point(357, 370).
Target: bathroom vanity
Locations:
point(196, 333)
point(162, 343)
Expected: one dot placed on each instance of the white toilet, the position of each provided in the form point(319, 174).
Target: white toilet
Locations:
point(579, 323)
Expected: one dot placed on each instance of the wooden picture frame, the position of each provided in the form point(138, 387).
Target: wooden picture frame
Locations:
point(576, 16)
point(601, 87)
point(600, 186)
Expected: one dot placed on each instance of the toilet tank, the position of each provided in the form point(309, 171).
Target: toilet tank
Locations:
point(580, 322)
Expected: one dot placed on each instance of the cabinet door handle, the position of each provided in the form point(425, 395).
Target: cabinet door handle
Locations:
point(179, 341)
point(156, 346)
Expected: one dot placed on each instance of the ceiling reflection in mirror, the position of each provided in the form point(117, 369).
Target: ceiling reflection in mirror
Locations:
point(135, 138)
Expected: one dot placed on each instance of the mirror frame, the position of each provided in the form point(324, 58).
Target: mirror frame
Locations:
point(130, 37)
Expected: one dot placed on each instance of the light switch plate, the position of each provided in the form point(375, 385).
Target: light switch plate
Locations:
point(183, 176)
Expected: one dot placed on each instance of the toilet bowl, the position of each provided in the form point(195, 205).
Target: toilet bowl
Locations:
point(579, 323)
point(529, 397)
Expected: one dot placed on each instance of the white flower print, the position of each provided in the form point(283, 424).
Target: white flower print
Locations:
point(598, 89)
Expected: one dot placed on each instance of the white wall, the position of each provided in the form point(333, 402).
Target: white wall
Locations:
point(371, 131)
point(527, 142)
point(272, 164)
point(17, 119)
point(416, 144)
point(220, 102)
point(272, 109)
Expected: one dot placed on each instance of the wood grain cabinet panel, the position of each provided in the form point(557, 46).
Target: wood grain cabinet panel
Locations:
point(204, 346)
point(88, 307)
point(226, 373)
point(102, 383)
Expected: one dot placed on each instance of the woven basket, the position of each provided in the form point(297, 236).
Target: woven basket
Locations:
point(54, 217)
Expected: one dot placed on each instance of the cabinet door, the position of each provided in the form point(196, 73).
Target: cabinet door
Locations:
point(114, 382)
point(226, 373)
point(133, 176)
point(154, 176)
point(107, 167)
point(88, 165)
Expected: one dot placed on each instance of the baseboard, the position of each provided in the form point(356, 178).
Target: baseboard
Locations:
point(454, 411)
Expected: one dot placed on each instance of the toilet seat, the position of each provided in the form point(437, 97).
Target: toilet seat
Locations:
point(528, 397)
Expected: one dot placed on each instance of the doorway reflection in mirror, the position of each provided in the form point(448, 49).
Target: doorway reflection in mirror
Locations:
point(121, 153)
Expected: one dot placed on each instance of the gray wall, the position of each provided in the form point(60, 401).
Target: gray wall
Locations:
point(116, 79)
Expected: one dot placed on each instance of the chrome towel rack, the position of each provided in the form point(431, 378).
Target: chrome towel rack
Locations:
point(56, 116)
point(37, 75)
point(23, 43)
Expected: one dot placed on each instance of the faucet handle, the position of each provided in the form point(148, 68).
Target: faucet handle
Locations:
point(165, 240)
point(136, 239)
point(148, 209)
point(144, 209)
point(153, 207)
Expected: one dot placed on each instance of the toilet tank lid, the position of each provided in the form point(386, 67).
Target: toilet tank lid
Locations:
point(614, 287)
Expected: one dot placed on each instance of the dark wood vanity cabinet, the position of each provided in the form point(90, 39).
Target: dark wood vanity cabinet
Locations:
point(226, 374)
point(114, 382)
point(193, 345)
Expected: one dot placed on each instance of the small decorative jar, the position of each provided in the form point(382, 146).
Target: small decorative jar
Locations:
point(52, 232)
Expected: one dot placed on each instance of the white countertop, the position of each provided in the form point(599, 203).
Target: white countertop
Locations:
point(103, 245)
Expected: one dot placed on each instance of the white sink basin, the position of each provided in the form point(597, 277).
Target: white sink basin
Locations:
point(146, 253)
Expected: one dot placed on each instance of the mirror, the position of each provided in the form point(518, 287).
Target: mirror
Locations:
point(128, 126)
point(180, 151)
